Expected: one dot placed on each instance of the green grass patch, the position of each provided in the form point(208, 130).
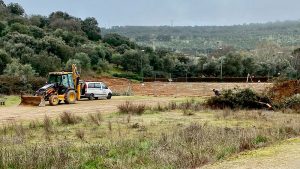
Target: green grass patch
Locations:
point(12, 100)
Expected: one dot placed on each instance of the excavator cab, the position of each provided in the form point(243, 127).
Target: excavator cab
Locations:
point(61, 86)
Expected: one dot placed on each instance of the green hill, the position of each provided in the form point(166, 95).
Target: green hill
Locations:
point(190, 39)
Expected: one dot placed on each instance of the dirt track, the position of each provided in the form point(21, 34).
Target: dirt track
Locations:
point(81, 108)
point(280, 156)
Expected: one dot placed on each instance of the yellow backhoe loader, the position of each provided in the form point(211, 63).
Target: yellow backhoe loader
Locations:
point(61, 86)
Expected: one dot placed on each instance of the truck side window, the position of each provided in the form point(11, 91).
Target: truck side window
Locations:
point(91, 85)
point(98, 85)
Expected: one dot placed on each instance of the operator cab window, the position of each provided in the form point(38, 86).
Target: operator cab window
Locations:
point(54, 79)
point(70, 78)
point(65, 81)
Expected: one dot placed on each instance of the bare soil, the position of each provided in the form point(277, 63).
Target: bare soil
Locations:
point(121, 85)
point(80, 108)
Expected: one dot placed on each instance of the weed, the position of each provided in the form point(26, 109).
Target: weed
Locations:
point(109, 126)
point(172, 105)
point(129, 108)
point(69, 118)
point(96, 118)
point(34, 124)
point(128, 118)
point(48, 125)
point(19, 129)
point(259, 140)
point(80, 134)
point(160, 108)
point(187, 112)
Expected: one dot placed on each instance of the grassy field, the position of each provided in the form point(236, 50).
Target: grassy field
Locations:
point(181, 134)
point(12, 100)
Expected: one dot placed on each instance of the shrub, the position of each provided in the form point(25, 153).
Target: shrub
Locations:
point(80, 134)
point(129, 108)
point(69, 118)
point(173, 105)
point(292, 102)
point(96, 118)
point(239, 98)
point(48, 125)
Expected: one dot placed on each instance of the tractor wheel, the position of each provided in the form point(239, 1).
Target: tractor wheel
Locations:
point(70, 97)
point(53, 100)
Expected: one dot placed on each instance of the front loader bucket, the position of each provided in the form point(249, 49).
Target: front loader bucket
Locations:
point(32, 101)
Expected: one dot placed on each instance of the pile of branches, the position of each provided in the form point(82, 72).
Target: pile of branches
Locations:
point(239, 99)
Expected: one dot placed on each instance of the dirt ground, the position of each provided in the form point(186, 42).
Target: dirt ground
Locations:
point(281, 156)
point(121, 86)
point(80, 108)
point(143, 93)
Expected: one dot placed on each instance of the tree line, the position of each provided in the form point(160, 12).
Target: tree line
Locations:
point(32, 46)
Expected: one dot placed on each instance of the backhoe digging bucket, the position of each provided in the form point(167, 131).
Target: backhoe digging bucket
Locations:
point(32, 101)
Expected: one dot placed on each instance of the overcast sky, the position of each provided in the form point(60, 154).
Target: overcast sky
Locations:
point(165, 12)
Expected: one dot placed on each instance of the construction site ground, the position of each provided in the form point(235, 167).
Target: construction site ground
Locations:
point(121, 86)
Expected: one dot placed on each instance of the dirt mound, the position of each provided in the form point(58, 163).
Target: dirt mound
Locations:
point(283, 90)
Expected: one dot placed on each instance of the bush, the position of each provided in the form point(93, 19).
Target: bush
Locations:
point(238, 98)
point(69, 118)
point(129, 108)
point(292, 102)
point(14, 85)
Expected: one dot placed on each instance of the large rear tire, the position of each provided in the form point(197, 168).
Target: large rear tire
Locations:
point(70, 97)
point(53, 100)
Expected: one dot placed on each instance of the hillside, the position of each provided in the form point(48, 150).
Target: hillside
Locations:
point(205, 38)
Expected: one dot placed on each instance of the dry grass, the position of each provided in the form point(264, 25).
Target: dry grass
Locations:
point(130, 108)
point(69, 118)
point(96, 118)
point(154, 140)
point(80, 134)
point(48, 125)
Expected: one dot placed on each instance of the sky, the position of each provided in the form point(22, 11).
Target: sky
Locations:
point(169, 12)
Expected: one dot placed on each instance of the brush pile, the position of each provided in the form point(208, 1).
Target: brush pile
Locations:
point(283, 95)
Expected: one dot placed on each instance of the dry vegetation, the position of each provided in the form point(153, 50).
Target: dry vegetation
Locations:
point(175, 135)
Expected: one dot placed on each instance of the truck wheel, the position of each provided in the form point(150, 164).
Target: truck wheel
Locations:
point(109, 96)
point(70, 97)
point(91, 97)
point(53, 100)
